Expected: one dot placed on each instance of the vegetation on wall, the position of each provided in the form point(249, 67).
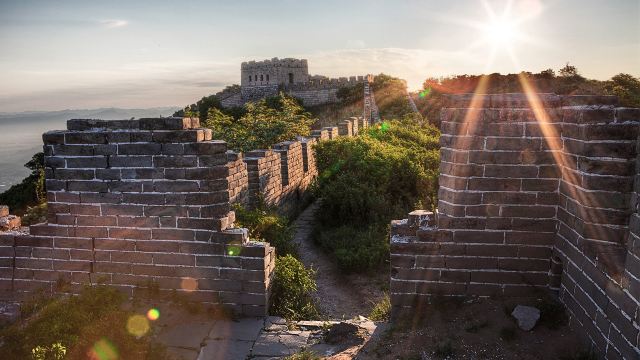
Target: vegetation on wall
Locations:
point(567, 81)
point(367, 181)
point(263, 124)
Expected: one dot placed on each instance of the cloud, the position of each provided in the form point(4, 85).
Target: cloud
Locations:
point(114, 23)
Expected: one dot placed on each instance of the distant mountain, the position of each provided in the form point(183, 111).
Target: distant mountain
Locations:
point(21, 133)
point(102, 113)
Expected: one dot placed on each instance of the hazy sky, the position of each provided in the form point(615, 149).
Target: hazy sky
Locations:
point(86, 54)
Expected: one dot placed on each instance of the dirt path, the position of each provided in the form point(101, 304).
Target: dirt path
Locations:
point(339, 296)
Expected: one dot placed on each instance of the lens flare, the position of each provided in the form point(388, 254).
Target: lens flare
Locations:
point(103, 349)
point(424, 93)
point(233, 250)
point(138, 325)
point(384, 127)
point(189, 284)
point(153, 314)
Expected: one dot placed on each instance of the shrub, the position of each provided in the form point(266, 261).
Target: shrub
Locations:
point(35, 215)
point(264, 123)
point(266, 225)
point(291, 291)
point(381, 310)
point(367, 181)
point(355, 249)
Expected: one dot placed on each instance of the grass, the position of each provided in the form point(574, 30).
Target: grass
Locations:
point(303, 355)
point(74, 327)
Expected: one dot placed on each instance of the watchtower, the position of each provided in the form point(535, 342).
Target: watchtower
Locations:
point(274, 72)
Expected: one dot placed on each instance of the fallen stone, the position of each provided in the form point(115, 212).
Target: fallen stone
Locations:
point(4, 210)
point(274, 345)
point(527, 316)
point(10, 222)
point(343, 333)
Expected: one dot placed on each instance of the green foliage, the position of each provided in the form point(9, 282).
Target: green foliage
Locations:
point(265, 123)
point(391, 97)
point(266, 225)
point(35, 215)
point(350, 94)
point(292, 288)
point(72, 325)
point(367, 181)
point(381, 310)
point(627, 88)
point(355, 249)
point(29, 192)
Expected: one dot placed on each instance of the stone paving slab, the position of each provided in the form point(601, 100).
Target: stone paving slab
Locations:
point(191, 337)
point(188, 335)
point(245, 329)
point(225, 350)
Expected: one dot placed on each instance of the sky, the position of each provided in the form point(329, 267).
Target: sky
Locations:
point(135, 54)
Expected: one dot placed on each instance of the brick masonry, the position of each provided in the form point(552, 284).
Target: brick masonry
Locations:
point(148, 203)
point(533, 198)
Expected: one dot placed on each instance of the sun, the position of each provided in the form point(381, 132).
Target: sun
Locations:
point(501, 32)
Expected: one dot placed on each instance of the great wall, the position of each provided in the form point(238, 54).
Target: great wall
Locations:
point(266, 78)
point(148, 202)
point(533, 199)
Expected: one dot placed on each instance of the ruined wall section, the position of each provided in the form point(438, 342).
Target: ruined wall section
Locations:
point(134, 203)
point(496, 210)
point(535, 193)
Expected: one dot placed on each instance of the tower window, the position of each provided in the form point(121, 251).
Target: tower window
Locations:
point(267, 77)
point(261, 77)
point(249, 78)
point(290, 78)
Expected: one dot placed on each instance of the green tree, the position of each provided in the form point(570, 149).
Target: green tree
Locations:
point(30, 191)
point(627, 88)
point(568, 71)
point(264, 123)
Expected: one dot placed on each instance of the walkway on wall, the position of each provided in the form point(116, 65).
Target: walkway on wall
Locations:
point(412, 103)
point(339, 296)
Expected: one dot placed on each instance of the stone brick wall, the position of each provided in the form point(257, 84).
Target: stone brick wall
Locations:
point(132, 203)
point(536, 193)
point(597, 226)
point(265, 178)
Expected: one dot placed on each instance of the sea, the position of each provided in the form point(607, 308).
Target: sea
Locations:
point(21, 134)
